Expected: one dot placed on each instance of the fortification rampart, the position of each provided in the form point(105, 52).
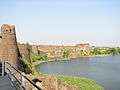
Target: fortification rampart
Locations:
point(8, 44)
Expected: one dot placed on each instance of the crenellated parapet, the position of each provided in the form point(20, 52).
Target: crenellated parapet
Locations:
point(7, 29)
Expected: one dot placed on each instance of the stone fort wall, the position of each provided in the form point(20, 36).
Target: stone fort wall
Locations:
point(8, 44)
point(10, 50)
point(25, 51)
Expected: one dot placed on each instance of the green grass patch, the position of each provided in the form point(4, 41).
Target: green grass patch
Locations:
point(80, 82)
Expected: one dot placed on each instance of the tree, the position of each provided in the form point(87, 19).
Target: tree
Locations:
point(66, 54)
point(118, 50)
point(39, 57)
point(113, 51)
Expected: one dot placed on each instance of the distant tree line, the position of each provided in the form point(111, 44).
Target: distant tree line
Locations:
point(100, 51)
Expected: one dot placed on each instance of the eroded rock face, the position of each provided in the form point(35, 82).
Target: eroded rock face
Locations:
point(8, 44)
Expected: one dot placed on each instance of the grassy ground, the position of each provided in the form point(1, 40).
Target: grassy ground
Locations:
point(80, 82)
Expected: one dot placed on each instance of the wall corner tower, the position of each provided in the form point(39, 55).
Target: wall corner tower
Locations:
point(8, 47)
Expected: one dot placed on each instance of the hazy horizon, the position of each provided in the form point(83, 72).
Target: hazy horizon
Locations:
point(64, 22)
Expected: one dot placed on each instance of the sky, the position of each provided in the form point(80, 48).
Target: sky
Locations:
point(65, 22)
